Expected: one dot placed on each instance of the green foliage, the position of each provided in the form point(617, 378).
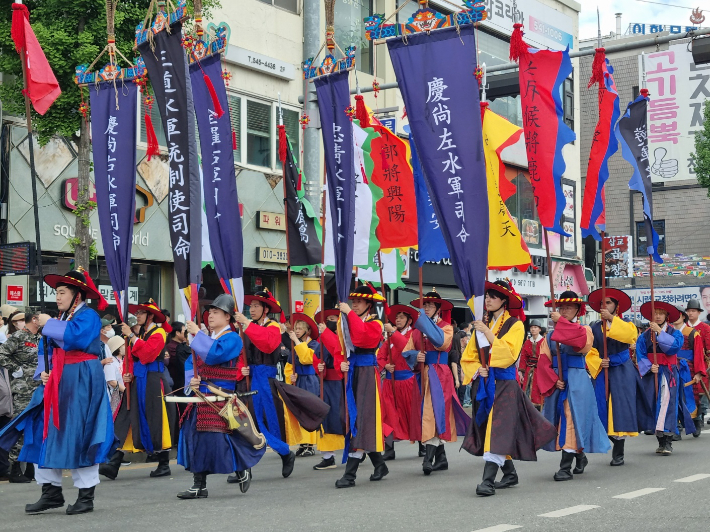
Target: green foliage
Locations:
point(83, 208)
point(71, 32)
point(93, 251)
point(701, 157)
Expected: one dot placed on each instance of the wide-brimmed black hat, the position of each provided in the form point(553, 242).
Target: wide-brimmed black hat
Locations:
point(267, 298)
point(694, 304)
point(73, 278)
point(366, 292)
point(568, 296)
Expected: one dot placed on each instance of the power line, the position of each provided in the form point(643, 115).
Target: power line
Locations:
point(668, 5)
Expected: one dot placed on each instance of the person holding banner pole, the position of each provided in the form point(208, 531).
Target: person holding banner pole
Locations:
point(693, 309)
point(691, 369)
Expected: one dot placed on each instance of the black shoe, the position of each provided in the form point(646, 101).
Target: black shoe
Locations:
point(163, 470)
point(51, 498)
point(427, 465)
point(389, 452)
point(440, 461)
point(325, 463)
point(661, 444)
point(649, 432)
point(667, 446)
point(198, 489)
point(617, 453)
point(580, 464)
point(422, 450)
point(110, 468)
point(300, 450)
point(510, 476)
point(565, 472)
point(84, 502)
point(488, 486)
point(30, 471)
point(288, 460)
point(676, 437)
point(381, 469)
point(698, 422)
point(348, 479)
point(16, 475)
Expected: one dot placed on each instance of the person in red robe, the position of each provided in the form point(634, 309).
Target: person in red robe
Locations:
point(694, 310)
point(398, 388)
point(528, 362)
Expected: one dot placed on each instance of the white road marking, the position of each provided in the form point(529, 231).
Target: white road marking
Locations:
point(569, 511)
point(693, 478)
point(637, 493)
point(498, 528)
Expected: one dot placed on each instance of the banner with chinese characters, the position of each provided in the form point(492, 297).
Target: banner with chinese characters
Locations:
point(167, 67)
point(333, 101)
point(397, 209)
point(219, 181)
point(619, 258)
point(440, 92)
point(542, 74)
point(114, 115)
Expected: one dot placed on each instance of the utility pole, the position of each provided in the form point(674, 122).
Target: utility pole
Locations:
point(311, 135)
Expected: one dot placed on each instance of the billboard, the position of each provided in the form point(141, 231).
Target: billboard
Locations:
point(677, 295)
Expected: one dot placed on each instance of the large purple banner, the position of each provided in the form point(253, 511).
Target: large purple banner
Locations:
point(113, 124)
point(219, 180)
point(440, 92)
point(333, 99)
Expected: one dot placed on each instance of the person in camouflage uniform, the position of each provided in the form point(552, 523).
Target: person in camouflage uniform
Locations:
point(19, 356)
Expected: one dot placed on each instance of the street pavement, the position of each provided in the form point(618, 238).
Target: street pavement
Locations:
point(650, 492)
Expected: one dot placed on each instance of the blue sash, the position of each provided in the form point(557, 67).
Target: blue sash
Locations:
point(264, 407)
point(436, 357)
point(568, 361)
point(403, 374)
point(227, 385)
point(687, 354)
point(487, 390)
point(140, 373)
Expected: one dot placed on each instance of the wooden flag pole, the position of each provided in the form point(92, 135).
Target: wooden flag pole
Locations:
point(603, 306)
point(652, 320)
point(554, 302)
point(387, 320)
point(322, 286)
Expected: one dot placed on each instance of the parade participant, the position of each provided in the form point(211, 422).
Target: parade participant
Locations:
point(506, 426)
point(207, 445)
point(691, 368)
point(113, 372)
point(666, 398)
point(397, 402)
point(303, 333)
point(276, 405)
point(694, 310)
point(331, 356)
point(78, 429)
point(570, 402)
point(365, 433)
point(146, 427)
point(442, 416)
point(528, 362)
point(624, 411)
point(18, 355)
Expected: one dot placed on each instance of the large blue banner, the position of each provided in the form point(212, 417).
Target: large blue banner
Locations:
point(440, 92)
point(431, 244)
point(113, 124)
point(219, 180)
point(333, 99)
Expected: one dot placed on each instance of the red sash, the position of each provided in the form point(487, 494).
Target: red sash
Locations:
point(51, 390)
point(666, 360)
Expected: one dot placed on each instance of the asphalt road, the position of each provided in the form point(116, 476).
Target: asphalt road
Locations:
point(657, 493)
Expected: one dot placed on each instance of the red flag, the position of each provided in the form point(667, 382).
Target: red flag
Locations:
point(42, 87)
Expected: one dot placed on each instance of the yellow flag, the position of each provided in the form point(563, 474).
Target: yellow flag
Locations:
point(506, 247)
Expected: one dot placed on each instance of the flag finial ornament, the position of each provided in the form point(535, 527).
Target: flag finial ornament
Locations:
point(518, 48)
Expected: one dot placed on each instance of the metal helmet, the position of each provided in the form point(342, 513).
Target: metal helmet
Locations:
point(536, 323)
point(223, 302)
point(694, 304)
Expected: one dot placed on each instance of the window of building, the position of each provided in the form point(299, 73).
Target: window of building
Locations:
point(288, 5)
point(660, 227)
point(235, 114)
point(567, 94)
point(522, 208)
point(258, 134)
point(350, 30)
point(509, 107)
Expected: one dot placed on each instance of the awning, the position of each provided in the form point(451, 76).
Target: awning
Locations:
point(569, 276)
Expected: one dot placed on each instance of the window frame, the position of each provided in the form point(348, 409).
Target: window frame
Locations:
point(299, 7)
point(640, 230)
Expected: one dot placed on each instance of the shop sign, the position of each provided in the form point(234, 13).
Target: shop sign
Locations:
point(275, 255)
point(271, 220)
point(15, 293)
point(299, 306)
point(259, 62)
point(70, 196)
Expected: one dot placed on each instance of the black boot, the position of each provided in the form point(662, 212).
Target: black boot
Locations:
point(380, 466)
point(30, 471)
point(348, 479)
point(510, 476)
point(422, 450)
point(51, 498)
point(287, 460)
point(84, 502)
point(488, 486)
point(427, 465)
point(163, 469)
point(243, 478)
point(110, 468)
point(698, 422)
point(16, 475)
point(389, 452)
point(198, 489)
point(440, 461)
point(617, 453)
point(661, 443)
point(667, 445)
point(565, 472)
point(581, 464)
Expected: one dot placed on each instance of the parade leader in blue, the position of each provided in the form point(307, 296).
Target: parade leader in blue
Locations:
point(78, 426)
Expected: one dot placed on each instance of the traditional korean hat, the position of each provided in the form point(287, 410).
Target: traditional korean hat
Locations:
point(151, 307)
point(366, 292)
point(568, 296)
point(506, 290)
point(326, 314)
point(76, 278)
point(694, 304)
point(266, 297)
point(223, 302)
point(673, 313)
point(409, 311)
point(433, 297)
point(300, 316)
point(623, 300)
